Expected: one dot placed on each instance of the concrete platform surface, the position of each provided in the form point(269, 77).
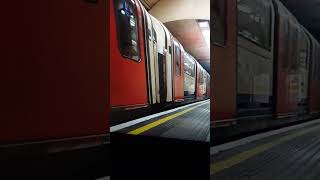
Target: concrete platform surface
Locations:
point(190, 122)
point(292, 154)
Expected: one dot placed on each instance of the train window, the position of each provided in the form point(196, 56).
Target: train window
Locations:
point(254, 21)
point(219, 21)
point(318, 64)
point(201, 76)
point(177, 59)
point(286, 42)
point(294, 49)
point(315, 63)
point(313, 57)
point(127, 24)
point(189, 66)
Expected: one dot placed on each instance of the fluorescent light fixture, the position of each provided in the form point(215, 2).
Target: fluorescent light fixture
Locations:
point(204, 24)
point(205, 29)
point(206, 35)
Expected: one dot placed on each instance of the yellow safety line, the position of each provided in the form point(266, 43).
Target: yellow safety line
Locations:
point(236, 159)
point(160, 121)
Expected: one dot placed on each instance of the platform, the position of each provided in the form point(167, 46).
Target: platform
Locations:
point(288, 153)
point(189, 122)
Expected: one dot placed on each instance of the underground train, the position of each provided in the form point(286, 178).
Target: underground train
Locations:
point(149, 68)
point(266, 68)
point(54, 79)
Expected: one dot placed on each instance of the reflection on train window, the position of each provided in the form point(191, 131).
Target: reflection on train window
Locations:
point(254, 18)
point(318, 65)
point(201, 77)
point(286, 41)
point(177, 60)
point(219, 21)
point(294, 49)
point(127, 24)
point(189, 66)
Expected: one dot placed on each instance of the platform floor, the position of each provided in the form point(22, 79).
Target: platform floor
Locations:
point(292, 154)
point(189, 122)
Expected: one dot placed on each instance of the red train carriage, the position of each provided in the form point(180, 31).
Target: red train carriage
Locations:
point(255, 57)
point(201, 89)
point(128, 85)
point(224, 62)
point(178, 71)
point(314, 76)
point(272, 79)
point(189, 77)
point(292, 65)
point(208, 86)
point(54, 68)
point(147, 64)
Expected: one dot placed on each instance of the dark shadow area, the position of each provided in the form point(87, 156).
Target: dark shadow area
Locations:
point(141, 157)
point(90, 163)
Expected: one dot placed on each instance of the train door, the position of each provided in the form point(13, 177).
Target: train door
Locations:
point(208, 86)
point(200, 82)
point(156, 63)
point(304, 60)
point(168, 61)
point(204, 83)
point(151, 59)
point(255, 57)
point(160, 62)
point(189, 77)
point(178, 74)
point(128, 85)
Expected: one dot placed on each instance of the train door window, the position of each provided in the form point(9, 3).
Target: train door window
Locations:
point(194, 70)
point(313, 58)
point(218, 7)
point(318, 64)
point(127, 29)
point(254, 21)
point(294, 49)
point(286, 42)
point(189, 66)
point(314, 61)
point(177, 59)
point(201, 76)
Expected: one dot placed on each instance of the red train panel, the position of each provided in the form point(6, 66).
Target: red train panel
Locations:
point(315, 96)
point(287, 69)
point(128, 85)
point(208, 86)
point(178, 72)
point(53, 70)
point(223, 65)
point(315, 77)
point(199, 82)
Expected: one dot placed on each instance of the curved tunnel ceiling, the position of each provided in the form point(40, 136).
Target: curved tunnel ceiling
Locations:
point(190, 36)
point(173, 10)
point(181, 18)
point(308, 14)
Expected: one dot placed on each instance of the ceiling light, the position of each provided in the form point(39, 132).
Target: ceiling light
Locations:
point(203, 24)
